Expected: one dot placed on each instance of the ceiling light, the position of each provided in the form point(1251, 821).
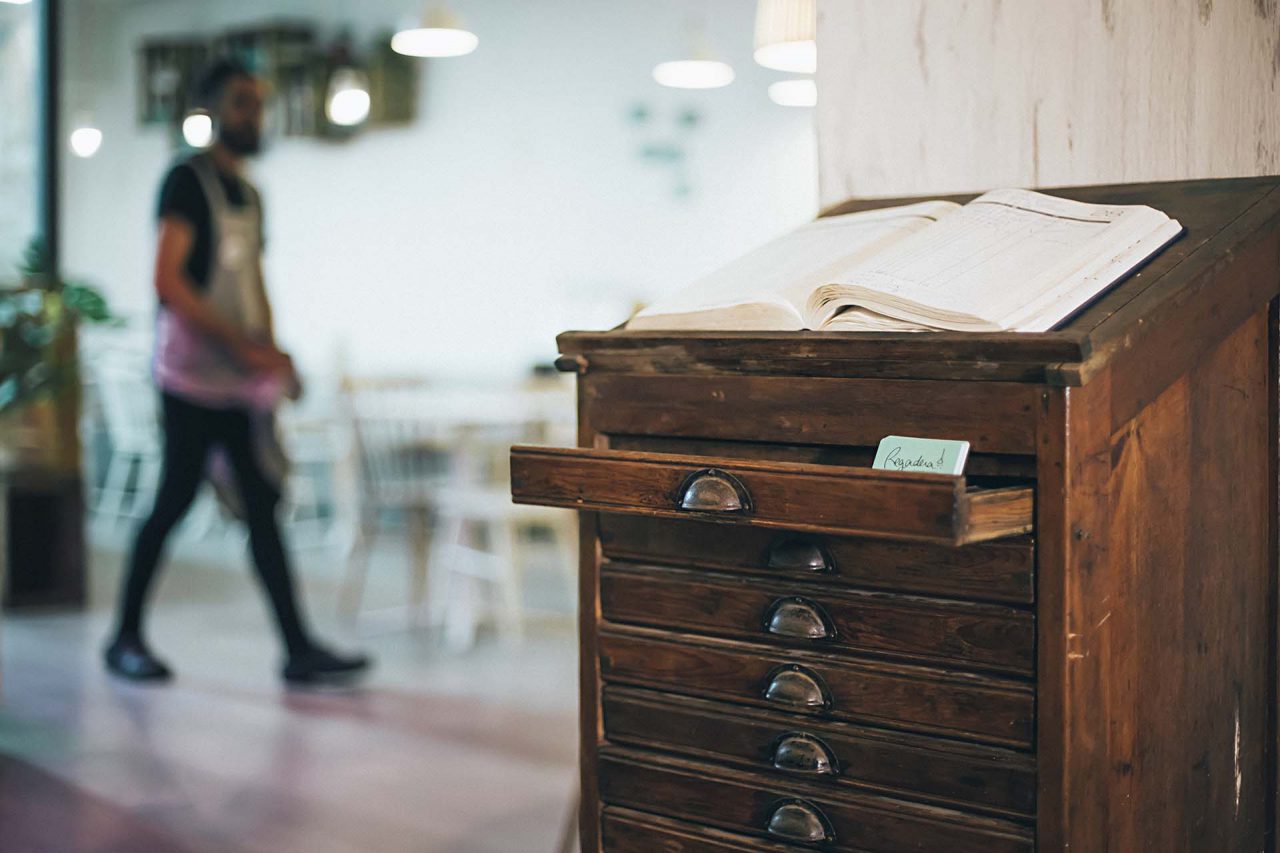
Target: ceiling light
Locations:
point(85, 141)
point(197, 129)
point(693, 73)
point(786, 35)
point(701, 70)
point(441, 34)
point(348, 101)
point(794, 93)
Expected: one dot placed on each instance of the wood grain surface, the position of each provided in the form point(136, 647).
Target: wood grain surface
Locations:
point(979, 708)
point(960, 634)
point(792, 496)
point(991, 571)
point(929, 96)
point(980, 778)
point(744, 802)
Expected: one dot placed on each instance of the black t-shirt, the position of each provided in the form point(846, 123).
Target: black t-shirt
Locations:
point(182, 195)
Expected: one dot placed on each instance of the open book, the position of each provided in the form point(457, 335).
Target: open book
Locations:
point(1010, 260)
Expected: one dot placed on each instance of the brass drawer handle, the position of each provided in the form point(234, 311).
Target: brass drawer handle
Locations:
point(797, 752)
point(571, 364)
point(798, 554)
point(795, 686)
point(796, 820)
point(713, 490)
point(798, 618)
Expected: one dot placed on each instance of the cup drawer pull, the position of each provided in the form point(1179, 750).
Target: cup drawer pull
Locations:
point(798, 554)
point(795, 686)
point(798, 618)
point(796, 820)
point(797, 752)
point(712, 490)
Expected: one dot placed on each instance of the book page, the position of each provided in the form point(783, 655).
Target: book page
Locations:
point(1065, 300)
point(861, 320)
point(780, 275)
point(979, 268)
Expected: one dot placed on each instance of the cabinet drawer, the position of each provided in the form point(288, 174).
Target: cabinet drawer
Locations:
point(964, 634)
point(990, 779)
point(995, 417)
point(992, 571)
point(791, 495)
point(629, 831)
point(797, 813)
point(915, 698)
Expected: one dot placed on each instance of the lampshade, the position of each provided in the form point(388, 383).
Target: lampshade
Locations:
point(801, 92)
point(786, 35)
point(440, 35)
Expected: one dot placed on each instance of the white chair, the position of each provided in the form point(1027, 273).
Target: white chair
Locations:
point(440, 457)
point(495, 562)
point(484, 540)
point(400, 466)
point(127, 401)
point(476, 543)
point(316, 448)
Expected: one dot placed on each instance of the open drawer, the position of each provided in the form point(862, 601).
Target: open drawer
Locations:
point(790, 495)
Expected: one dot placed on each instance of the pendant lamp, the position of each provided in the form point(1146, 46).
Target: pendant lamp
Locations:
point(347, 102)
point(800, 92)
point(701, 70)
point(85, 140)
point(197, 129)
point(786, 35)
point(86, 137)
point(440, 34)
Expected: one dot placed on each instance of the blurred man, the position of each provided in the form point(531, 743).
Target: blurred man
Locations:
point(215, 353)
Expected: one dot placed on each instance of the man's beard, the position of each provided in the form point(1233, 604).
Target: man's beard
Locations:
point(240, 141)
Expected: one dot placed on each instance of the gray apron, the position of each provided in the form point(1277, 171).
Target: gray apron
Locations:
point(188, 362)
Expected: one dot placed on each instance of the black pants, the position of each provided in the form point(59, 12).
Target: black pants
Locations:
point(190, 432)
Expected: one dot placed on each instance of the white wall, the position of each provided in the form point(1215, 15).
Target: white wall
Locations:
point(515, 207)
point(927, 96)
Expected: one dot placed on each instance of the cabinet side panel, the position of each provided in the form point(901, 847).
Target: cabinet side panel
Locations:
point(1155, 648)
point(591, 726)
point(1189, 612)
point(1273, 568)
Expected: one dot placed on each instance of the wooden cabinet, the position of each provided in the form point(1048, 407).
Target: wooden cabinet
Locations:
point(1073, 647)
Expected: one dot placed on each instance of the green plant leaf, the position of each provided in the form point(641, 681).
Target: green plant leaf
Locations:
point(87, 302)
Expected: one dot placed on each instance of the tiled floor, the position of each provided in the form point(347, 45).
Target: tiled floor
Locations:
point(459, 753)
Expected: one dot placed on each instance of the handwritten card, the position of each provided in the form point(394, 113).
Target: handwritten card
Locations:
point(930, 455)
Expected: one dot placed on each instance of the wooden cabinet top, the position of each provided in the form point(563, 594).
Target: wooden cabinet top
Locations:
point(1224, 267)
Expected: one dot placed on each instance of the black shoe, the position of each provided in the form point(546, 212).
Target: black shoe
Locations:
point(317, 664)
point(131, 659)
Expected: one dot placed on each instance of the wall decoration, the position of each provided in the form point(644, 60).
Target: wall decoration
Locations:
point(393, 84)
point(282, 54)
point(315, 88)
point(670, 148)
point(167, 70)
